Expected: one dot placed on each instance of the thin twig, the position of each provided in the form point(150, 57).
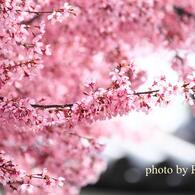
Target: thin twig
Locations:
point(36, 12)
point(146, 92)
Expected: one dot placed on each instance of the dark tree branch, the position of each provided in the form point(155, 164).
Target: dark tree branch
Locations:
point(30, 21)
point(146, 92)
point(57, 106)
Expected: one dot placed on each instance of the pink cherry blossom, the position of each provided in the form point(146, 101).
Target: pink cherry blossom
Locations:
point(64, 66)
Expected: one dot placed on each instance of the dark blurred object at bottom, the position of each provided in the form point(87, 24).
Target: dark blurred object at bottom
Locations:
point(126, 176)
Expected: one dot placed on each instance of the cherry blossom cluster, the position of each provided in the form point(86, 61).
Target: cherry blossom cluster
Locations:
point(62, 13)
point(181, 65)
point(100, 103)
point(76, 155)
point(21, 45)
point(120, 98)
point(19, 180)
point(48, 116)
